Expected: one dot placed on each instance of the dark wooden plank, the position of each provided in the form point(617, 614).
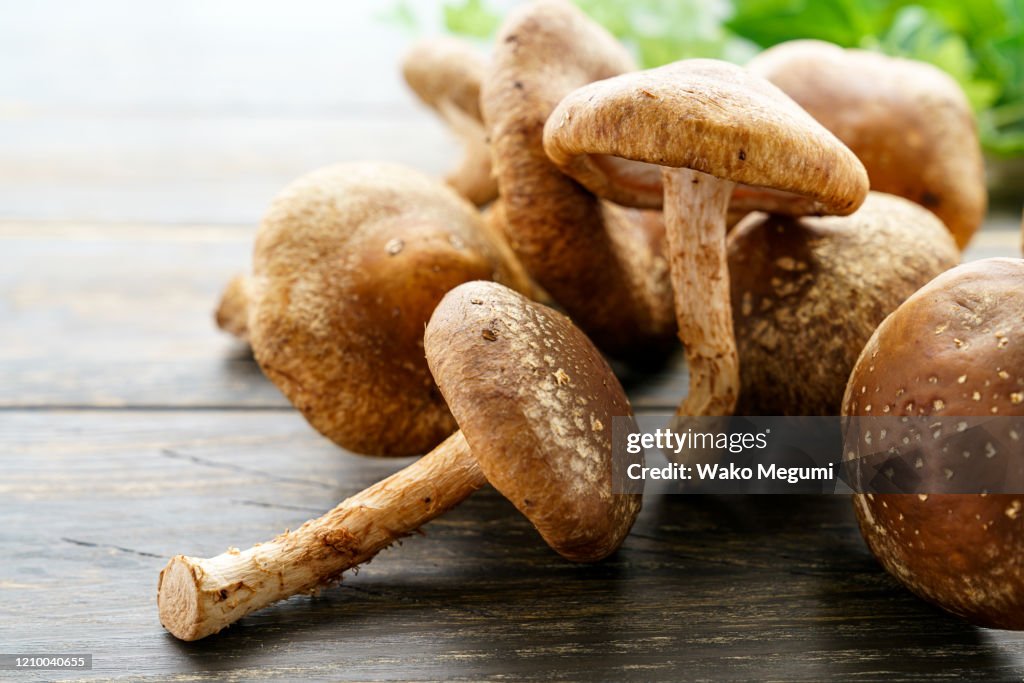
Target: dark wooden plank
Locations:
point(92, 504)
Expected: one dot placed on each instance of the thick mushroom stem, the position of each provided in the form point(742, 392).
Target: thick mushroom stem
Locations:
point(199, 597)
point(232, 312)
point(472, 178)
point(696, 205)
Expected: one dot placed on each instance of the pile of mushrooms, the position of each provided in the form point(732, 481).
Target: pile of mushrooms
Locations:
point(770, 216)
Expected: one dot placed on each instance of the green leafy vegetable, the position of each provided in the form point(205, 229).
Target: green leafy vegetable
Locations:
point(978, 42)
point(470, 18)
point(843, 22)
point(662, 31)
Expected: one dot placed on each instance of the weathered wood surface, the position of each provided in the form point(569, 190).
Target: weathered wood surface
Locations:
point(139, 145)
point(133, 430)
point(705, 587)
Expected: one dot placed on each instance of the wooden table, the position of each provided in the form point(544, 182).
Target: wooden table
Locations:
point(131, 430)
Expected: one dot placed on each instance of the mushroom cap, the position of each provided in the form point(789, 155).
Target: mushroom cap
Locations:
point(908, 122)
point(808, 292)
point(535, 401)
point(954, 348)
point(350, 261)
point(445, 73)
point(598, 263)
point(706, 115)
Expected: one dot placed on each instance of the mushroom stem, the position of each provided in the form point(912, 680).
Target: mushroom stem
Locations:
point(199, 597)
point(472, 178)
point(232, 313)
point(696, 205)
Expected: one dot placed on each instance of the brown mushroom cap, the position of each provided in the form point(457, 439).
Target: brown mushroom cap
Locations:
point(445, 73)
point(707, 125)
point(706, 115)
point(954, 348)
point(599, 263)
point(908, 122)
point(350, 261)
point(535, 400)
point(808, 292)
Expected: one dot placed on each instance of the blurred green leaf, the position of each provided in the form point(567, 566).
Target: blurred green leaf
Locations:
point(976, 18)
point(662, 31)
point(843, 22)
point(917, 34)
point(400, 14)
point(471, 18)
point(1002, 126)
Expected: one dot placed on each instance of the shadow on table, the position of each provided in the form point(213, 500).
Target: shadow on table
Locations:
point(706, 587)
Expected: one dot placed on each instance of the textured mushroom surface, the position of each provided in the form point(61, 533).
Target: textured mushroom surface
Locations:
point(908, 122)
point(445, 73)
point(535, 401)
point(808, 292)
point(955, 348)
point(349, 263)
point(705, 115)
point(603, 264)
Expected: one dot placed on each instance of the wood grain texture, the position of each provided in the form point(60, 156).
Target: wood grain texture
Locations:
point(765, 587)
point(203, 453)
point(139, 146)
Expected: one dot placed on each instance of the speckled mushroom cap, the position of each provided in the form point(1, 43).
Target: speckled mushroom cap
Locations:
point(706, 115)
point(955, 348)
point(535, 401)
point(909, 123)
point(597, 261)
point(445, 73)
point(349, 262)
point(808, 292)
